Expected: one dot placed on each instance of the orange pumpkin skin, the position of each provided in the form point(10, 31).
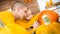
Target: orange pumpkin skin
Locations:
point(53, 16)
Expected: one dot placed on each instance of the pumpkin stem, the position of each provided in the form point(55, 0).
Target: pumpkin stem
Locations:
point(46, 20)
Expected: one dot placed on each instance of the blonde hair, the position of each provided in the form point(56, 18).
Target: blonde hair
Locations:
point(18, 4)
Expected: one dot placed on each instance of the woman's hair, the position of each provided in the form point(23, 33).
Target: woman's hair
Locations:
point(18, 4)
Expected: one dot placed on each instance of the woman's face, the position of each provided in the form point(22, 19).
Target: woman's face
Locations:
point(21, 13)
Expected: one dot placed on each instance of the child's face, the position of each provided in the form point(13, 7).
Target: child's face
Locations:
point(21, 13)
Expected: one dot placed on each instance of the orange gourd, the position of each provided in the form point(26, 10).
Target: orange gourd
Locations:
point(47, 15)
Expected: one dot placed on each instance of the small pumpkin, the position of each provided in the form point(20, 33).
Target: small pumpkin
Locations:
point(12, 29)
point(47, 15)
point(52, 28)
point(4, 29)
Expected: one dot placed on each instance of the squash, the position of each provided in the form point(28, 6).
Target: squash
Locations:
point(47, 15)
point(8, 19)
point(4, 29)
point(12, 29)
point(28, 24)
point(18, 29)
point(52, 28)
point(56, 26)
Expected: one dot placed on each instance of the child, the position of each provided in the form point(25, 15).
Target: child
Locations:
point(22, 14)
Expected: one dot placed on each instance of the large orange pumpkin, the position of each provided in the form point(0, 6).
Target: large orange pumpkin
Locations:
point(47, 15)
